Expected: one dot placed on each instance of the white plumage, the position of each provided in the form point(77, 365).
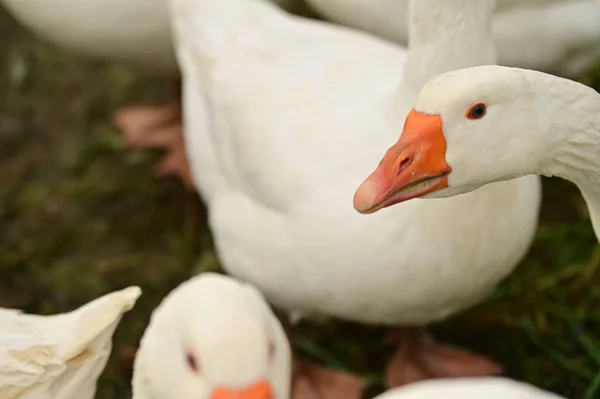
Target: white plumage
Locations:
point(59, 356)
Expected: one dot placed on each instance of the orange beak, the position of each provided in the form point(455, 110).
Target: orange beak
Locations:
point(260, 390)
point(413, 167)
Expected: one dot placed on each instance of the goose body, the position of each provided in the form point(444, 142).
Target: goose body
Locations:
point(213, 337)
point(59, 356)
point(277, 158)
point(558, 36)
point(469, 388)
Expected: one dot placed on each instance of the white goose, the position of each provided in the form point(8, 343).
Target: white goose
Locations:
point(213, 338)
point(469, 388)
point(495, 123)
point(59, 356)
point(284, 115)
point(132, 32)
point(559, 36)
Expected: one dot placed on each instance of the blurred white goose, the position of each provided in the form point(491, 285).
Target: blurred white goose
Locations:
point(132, 32)
point(496, 123)
point(59, 356)
point(283, 117)
point(558, 36)
point(213, 338)
point(469, 388)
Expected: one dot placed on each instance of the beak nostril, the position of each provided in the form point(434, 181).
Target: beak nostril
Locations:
point(403, 164)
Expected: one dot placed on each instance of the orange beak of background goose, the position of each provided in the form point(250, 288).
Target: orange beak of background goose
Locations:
point(414, 166)
point(260, 390)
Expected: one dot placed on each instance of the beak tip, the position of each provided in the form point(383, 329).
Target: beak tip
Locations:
point(364, 197)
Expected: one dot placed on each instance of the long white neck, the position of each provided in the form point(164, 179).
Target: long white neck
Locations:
point(444, 36)
point(573, 129)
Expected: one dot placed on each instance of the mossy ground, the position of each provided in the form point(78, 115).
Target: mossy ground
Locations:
point(81, 216)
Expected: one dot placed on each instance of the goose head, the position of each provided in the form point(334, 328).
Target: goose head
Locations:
point(470, 127)
point(213, 337)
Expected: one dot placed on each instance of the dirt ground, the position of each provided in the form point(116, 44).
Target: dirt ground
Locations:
point(81, 216)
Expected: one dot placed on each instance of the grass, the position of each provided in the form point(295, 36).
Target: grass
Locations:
point(81, 216)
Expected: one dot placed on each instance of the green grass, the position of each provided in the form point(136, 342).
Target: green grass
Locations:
point(81, 216)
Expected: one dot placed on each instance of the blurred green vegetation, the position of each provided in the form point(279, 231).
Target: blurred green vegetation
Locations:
point(82, 216)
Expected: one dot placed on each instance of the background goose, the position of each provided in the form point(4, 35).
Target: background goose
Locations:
point(469, 388)
point(277, 158)
point(59, 356)
point(495, 123)
point(136, 33)
point(558, 36)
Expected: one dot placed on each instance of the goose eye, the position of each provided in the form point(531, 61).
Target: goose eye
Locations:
point(192, 362)
point(271, 350)
point(476, 111)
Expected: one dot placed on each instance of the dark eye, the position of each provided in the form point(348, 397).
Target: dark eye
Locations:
point(191, 361)
point(476, 111)
point(271, 350)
